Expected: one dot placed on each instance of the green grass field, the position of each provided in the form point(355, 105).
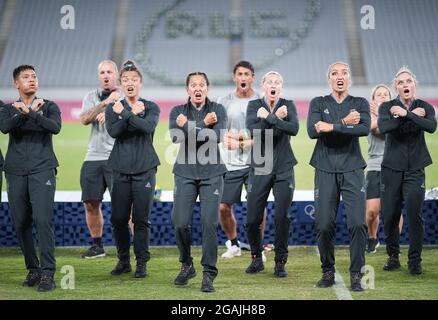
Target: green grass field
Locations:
point(71, 146)
point(93, 280)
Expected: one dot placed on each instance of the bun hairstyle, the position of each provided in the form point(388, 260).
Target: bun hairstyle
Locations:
point(197, 73)
point(130, 65)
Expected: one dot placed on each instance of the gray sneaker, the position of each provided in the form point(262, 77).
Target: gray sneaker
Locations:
point(207, 283)
point(94, 252)
point(187, 272)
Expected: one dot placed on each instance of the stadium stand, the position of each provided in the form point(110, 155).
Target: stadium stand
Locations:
point(62, 57)
point(185, 35)
point(405, 34)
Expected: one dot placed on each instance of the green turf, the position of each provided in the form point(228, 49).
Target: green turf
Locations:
point(71, 146)
point(93, 281)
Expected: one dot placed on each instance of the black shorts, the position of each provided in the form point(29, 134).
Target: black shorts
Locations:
point(233, 183)
point(96, 176)
point(373, 185)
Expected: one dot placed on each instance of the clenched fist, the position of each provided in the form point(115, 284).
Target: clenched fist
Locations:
point(181, 120)
point(352, 118)
point(210, 119)
point(419, 112)
point(118, 107)
point(398, 111)
point(281, 112)
point(322, 127)
point(138, 107)
point(262, 113)
point(101, 117)
point(113, 97)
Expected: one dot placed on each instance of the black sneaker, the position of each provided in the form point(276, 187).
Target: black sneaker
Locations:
point(415, 269)
point(121, 267)
point(207, 283)
point(140, 271)
point(46, 283)
point(393, 263)
point(279, 269)
point(372, 245)
point(327, 280)
point(255, 266)
point(187, 272)
point(355, 281)
point(94, 252)
point(32, 279)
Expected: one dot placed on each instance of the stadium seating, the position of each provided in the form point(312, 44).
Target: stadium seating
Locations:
point(62, 57)
point(188, 35)
point(405, 34)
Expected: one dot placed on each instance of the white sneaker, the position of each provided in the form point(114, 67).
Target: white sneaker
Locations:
point(232, 251)
point(263, 256)
point(228, 243)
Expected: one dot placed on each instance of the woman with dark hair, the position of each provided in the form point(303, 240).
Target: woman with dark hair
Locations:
point(132, 122)
point(197, 125)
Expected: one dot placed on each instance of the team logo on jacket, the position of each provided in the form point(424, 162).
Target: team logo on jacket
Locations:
point(216, 192)
point(148, 185)
point(326, 111)
point(48, 183)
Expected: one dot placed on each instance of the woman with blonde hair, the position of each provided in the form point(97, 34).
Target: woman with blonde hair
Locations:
point(376, 146)
point(404, 120)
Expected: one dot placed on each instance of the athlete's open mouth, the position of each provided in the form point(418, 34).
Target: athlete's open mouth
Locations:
point(130, 90)
point(198, 95)
point(406, 91)
point(273, 92)
point(243, 85)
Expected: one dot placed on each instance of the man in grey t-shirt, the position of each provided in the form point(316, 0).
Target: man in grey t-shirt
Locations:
point(96, 176)
point(235, 151)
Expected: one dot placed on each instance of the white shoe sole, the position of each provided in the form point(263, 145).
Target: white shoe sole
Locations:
point(96, 256)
